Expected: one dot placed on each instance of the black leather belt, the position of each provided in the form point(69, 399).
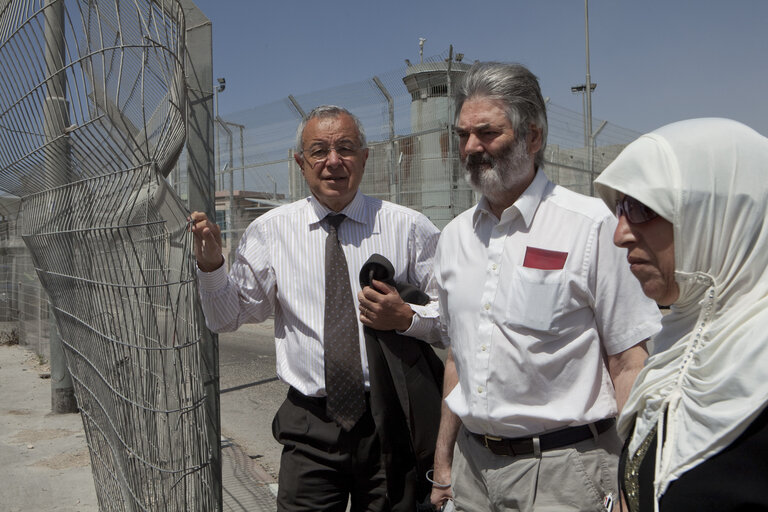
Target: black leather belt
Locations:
point(557, 439)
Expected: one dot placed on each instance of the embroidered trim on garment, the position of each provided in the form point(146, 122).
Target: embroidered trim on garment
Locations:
point(631, 475)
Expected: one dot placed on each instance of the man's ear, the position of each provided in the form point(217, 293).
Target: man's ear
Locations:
point(533, 139)
point(300, 161)
point(365, 156)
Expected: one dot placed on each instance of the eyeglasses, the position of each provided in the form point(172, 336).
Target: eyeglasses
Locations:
point(318, 153)
point(635, 211)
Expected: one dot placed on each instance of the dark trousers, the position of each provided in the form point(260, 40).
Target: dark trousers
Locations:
point(322, 467)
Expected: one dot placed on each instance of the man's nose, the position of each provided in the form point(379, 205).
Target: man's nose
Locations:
point(333, 158)
point(473, 145)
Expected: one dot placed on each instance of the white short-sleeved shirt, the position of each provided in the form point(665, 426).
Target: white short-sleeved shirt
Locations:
point(529, 303)
point(280, 268)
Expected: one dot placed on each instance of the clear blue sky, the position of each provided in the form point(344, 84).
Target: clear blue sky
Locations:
point(655, 61)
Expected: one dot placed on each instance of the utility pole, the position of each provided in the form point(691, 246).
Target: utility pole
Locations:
point(588, 92)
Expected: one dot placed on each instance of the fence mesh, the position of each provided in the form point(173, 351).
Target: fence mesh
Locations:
point(92, 113)
point(86, 136)
point(408, 118)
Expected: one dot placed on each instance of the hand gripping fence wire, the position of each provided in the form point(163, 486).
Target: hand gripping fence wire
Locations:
point(92, 118)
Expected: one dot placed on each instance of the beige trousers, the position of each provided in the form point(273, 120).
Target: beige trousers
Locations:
point(574, 478)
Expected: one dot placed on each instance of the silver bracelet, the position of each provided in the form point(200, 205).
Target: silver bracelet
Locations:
point(436, 484)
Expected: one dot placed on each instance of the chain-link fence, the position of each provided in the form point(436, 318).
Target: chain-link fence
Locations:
point(92, 118)
point(408, 117)
point(407, 114)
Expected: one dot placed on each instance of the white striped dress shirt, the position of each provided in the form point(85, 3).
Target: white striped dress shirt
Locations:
point(279, 269)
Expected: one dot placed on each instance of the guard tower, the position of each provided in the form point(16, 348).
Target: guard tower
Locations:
point(432, 169)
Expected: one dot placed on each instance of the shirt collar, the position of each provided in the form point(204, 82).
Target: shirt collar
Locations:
point(526, 204)
point(357, 210)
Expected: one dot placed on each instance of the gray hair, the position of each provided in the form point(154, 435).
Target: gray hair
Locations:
point(324, 111)
point(517, 88)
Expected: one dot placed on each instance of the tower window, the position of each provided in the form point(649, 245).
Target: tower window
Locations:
point(439, 90)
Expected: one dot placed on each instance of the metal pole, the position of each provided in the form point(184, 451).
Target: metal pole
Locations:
point(57, 170)
point(274, 186)
point(221, 85)
point(297, 106)
point(295, 182)
point(597, 132)
point(292, 178)
point(217, 138)
point(393, 184)
point(200, 172)
point(451, 175)
point(231, 237)
point(592, 140)
point(399, 177)
point(231, 151)
point(231, 209)
point(242, 156)
point(589, 104)
point(584, 113)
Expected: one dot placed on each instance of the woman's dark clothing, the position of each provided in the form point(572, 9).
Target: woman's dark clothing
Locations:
point(735, 479)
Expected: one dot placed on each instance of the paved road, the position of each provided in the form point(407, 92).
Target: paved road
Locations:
point(46, 459)
point(251, 393)
point(45, 464)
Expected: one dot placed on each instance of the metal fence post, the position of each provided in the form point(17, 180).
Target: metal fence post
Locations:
point(200, 172)
point(452, 172)
point(56, 163)
point(294, 180)
point(393, 184)
point(232, 237)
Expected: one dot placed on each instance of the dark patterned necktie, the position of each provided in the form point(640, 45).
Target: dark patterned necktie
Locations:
point(343, 371)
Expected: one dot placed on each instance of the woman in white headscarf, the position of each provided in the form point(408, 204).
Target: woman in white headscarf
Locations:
point(692, 201)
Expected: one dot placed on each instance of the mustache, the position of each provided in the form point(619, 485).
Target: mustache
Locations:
point(477, 159)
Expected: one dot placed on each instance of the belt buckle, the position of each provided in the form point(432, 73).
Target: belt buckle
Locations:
point(487, 438)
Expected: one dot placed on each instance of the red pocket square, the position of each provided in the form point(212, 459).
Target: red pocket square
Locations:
point(544, 259)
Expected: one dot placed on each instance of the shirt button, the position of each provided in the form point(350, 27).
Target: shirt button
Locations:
point(483, 348)
point(487, 307)
point(479, 389)
point(494, 266)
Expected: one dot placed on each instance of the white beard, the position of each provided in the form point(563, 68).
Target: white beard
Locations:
point(507, 173)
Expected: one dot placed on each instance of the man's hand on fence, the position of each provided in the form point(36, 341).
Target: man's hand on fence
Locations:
point(207, 242)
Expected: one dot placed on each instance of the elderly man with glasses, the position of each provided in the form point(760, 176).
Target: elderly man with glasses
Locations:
point(545, 323)
point(343, 439)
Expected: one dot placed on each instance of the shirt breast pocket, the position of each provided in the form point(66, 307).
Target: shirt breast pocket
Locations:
point(535, 299)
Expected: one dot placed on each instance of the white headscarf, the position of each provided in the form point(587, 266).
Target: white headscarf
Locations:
point(709, 369)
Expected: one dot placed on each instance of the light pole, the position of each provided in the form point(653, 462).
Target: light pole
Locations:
point(219, 88)
point(588, 80)
point(587, 88)
point(591, 145)
point(582, 89)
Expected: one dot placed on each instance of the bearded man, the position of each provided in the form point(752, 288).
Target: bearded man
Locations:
point(545, 323)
